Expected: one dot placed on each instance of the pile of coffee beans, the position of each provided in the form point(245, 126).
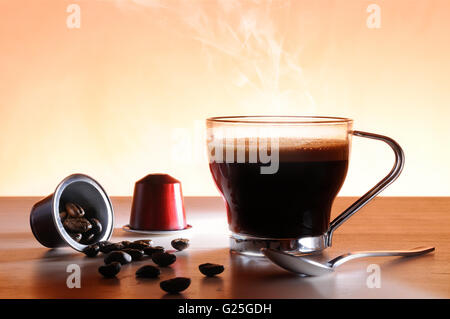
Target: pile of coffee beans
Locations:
point(128, 247)
point(81, 228)
point(118, 254)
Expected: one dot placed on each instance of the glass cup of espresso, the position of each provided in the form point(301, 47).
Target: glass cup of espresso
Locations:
point(279, 176)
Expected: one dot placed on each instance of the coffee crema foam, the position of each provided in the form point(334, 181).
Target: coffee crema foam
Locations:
point(289, 149)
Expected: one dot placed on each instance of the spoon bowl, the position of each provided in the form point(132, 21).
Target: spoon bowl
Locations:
point(297, 264)
point(306, 266)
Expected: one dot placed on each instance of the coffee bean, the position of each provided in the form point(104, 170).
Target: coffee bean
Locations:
point(134, 253)
point(76, 236)
point(87, 238)
point(96, 226)
point(118, 256)
point(138, 245)
point(175, 285)
point(125, 243)
point(77, 225)
point(110, 270)
point(107, 248)
point(153, 249)
point(180, 243)
point(163, 259)
point(91, 250)
point(103, 243)
point(80, 210)
point(211, 270)
point(148, 271)
point(62, 216)
point(74, 210)
point(147, 242)
point(120, 245)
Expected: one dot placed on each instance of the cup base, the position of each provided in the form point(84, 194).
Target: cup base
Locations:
point(251, 246)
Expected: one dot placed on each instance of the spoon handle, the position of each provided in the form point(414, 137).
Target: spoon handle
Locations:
point(379, 253)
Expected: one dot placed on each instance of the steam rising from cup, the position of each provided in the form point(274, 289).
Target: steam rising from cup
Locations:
point(247, 41)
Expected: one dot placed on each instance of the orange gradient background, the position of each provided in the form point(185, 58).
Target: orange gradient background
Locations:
point(126, 94)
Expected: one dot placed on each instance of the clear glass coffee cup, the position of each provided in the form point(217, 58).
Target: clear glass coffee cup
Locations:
point(279, 176)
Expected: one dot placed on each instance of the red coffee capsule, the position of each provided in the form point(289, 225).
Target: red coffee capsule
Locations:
point(158, 204)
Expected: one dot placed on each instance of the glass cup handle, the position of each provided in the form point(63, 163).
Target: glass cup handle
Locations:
point(385, 182)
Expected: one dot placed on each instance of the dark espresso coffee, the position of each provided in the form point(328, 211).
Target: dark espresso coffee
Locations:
point(293, 202)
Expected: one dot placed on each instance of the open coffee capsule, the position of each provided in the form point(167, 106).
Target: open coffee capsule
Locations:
point(79, 189)
point(158, 204)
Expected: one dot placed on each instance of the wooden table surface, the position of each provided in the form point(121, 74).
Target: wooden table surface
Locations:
point(29, 270)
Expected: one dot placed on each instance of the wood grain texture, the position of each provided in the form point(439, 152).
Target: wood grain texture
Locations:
point(28, 270)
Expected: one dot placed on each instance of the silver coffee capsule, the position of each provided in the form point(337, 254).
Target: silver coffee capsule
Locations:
point(46, 224)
